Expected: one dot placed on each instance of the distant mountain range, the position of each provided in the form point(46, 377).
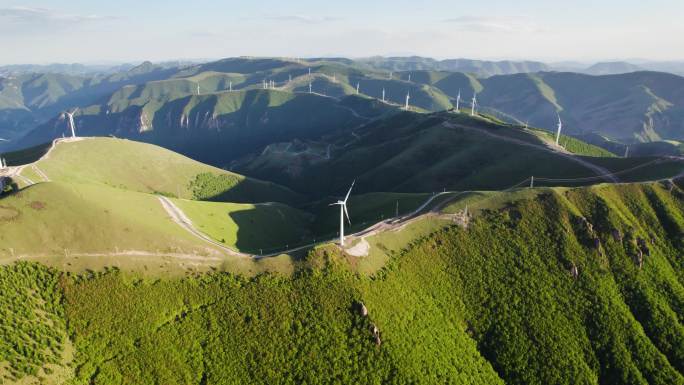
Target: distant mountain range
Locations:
point(167, 104)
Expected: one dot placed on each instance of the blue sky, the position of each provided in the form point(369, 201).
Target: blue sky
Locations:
point(127, 30)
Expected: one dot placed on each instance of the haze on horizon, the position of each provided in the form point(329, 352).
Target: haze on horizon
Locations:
point(41, 31)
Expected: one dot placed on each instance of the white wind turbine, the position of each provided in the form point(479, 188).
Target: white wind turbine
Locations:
point(408, 96)
point(72, 125)
point(343, 213)
point(383, 94)
point(560, 126)
point(357, 88)
point(458, 101)
point(474, 103)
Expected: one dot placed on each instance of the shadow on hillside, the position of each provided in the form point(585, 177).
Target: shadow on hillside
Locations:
point(210, 135)
point(267, 229)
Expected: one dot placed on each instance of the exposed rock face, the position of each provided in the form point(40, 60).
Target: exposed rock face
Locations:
point(376, 334)
point(639, 259)
point(363, 310)
point(643, 247)
point(574, 271)
point(617, 235)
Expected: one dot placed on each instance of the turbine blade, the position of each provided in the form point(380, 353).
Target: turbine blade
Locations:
point(346, 213)
point(349, 192)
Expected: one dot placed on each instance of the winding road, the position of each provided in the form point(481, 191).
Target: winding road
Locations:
point(177, 215)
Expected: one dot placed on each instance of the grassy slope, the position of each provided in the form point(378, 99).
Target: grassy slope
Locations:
point(489, 303)
point(249, 227)
point(416, 153)
point(145, 168)
point(85, 218)
point(574, 145)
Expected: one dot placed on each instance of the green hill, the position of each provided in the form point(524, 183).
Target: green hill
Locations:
point(147, 168)
point(565, 286)
point(432, 153)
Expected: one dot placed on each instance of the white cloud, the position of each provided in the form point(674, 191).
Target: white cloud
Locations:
point(303, 19)
point(42, 16)
point(493, 24)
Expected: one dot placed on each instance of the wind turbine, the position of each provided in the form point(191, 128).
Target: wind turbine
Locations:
point(72, 125)
point(383, 94)
point(474, 103)
point(357, 88)
point(458, 101)
point(409, 79)
point(343, 213)
point(309, 87)
point(626, 152)
point(390, 75)
point(408, 96)
point(230, 86)
point(560, 126)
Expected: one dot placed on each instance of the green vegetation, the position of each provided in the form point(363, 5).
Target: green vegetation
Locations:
point(576, 146)
point(207, 186)
point(32, 324)
point(562, 286)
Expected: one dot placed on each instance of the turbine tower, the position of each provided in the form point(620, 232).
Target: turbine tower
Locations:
point(474, 103)
point(72, 125)
point(198, 90)
point(560, 126)
point(357, 88)
point(383, 94)
point(309, 87)
point(230, 86)
point(408, 96)
point(458, 101)
point(343, 213)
